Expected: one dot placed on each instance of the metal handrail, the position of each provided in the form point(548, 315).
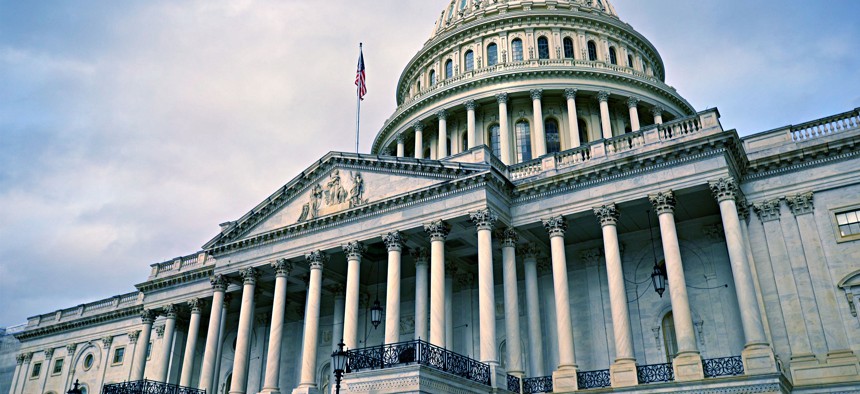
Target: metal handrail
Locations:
point(148, 387)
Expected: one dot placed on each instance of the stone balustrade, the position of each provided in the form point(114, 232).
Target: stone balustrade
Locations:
point(84, 310)
point(826, 126)
point(179, 264)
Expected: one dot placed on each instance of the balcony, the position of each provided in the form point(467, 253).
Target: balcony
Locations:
point(148, 387)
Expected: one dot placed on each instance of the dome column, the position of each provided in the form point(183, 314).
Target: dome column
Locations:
point(470, 124)
point(632, 103)
point(401, 145)
point(572, 119)
point(504, 133)
point(563, 378)
point(605, 122)
point(419, 139)
point(658, 114)
point(441, 143)
point(539, 146)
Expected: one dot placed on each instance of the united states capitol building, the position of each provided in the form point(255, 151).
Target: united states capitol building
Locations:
point(541, 213)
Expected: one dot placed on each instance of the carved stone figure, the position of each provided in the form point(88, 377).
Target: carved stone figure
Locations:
point(335, 193)
point(357, 191)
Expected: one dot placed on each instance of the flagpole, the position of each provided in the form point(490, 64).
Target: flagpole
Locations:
point(358, 107)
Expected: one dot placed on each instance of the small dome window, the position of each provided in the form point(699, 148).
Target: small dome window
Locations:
point(630, 61)
point(449, 69)
point(432, 77)
point(469, 60)
point(592, 51)
point(543, 48)
point(492, 54)
point(568, 48)
point(494, 140)
point(463, 4)
point(524, 142)
point(517, 50)
point(613, 56)
point(553, 140)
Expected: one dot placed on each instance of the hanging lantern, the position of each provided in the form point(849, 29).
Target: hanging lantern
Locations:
point(659, 277)
point(376, 314)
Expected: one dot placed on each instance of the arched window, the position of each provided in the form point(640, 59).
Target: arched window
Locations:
point(450, 12)
point(432, 77)
point(630, 61)
point(418, 86)
point(583, 130)
point(568, 48)
point(449, 69)
point(592, 51)
point(543, 48)
point(553, 142)
point(613, 57)
point(524, 141)
point(669, 341)
point(494, 140)
point(463, 4)
point(492, 54)
point(228, 382)
point(470, 60)
point(517, 50)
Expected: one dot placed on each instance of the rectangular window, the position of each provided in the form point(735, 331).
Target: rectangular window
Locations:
point(118, 355)
point(37, 369)
point(58, 367)
point(848, 224)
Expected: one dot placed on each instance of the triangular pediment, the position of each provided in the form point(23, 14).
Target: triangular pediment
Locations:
point(340, 182)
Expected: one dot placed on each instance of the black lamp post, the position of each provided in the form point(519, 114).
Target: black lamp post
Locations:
point(75, 389)
point(338, 362)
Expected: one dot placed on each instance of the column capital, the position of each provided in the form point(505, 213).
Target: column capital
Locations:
point(249, 275)
point(450, 269)
point(743, 209)
point(465, 280)
point(767, 210)
point(19, 358)
point(442, 114)
point(227, 298)
point(543, 265)
point(106, 341)
point(724, 189)
point(147, 316)
point(570, 93)
point(528, 251)
point(50, 353)
point(159, 331)
point(170, 311)
point(484, 219)
point(394, 240)
point(591, 256)
point(663, 202)
point(132, 337)
point(800, 203)
point(282, 267)
point(502, 98)
point(420, 255)
point(657, 110)
point(70, 348)
point(219, 282)
point(508, 237)
point(603, 96)
point(418, 126)
point(607, 215)
point(632, 102)
point(354, 250)
point(401, 138)
point(316, 259)
point(470, 105)
point(337, 289)
point(196, 305)
point(555, 226)
point(536, 94)
point(437, 230)
point(27, 356)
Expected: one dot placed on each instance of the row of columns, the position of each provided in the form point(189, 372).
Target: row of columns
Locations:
point(505, 140)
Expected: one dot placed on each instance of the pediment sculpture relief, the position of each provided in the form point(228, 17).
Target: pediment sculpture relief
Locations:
point(334, 196)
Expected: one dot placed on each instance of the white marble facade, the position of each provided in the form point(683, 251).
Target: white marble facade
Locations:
point(489, 251)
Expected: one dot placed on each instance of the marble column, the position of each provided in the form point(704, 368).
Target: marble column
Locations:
point(572, 118)
point(147, 316)
point(220, 346)
point(19, 359)
point(169, 312)
point(72, 347)
point(529, 255)
point(419, 140)
point(484, 221)
point(194, 305)
point(657, 111)
point(308, 375)
point(632, 104)
point(605, 122)
point(509, 238)
point(243, 335)
point(471, 137)
point(282, 269)
point(28, 356)
point(207, 370)
point(442, 141)
point(688, 363)
point(394, 243)
point(623, 370)
point(339, 293)
point(504, 131)
point(564, 378)
point(353, 251)
point(450, 273)
point(401, 145)
point(539, 146)
point(438, 231)
point(422, 297)
point(49, 357)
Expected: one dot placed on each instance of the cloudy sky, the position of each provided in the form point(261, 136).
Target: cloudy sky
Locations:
point(129, 130)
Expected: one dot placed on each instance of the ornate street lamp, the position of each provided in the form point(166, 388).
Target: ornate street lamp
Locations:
point(376, 313)
point(338, 362)
point(75, 389)
point(658, 275)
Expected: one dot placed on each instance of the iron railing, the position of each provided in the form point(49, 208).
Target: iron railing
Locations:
point(542, 384)
point(725, 366)
point(655, 373)
point(417, 352)
point(593, 379)
point(148, 387)
point(513, 384)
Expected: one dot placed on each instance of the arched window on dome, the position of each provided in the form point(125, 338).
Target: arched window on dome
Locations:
point(568, 48)
point(630, 61)
point(669, 341)
point(469, 60)
point(449, 69)
point(418, 86)
point(592, 51)
point(524, 141)
point(432, 77)
point(450, 13)
point(463, 4)
point(517, 50)
point(493, 137)
point(583, 130)
point(543, 48)
point(492, 54)
point(613, 56)
point(553, 140)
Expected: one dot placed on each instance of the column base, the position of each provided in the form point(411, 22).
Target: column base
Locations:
point(498, 377)
point(688, 366)
point(758, 360)
point(308, 390)
point(270, 391)
point(622, 373)
point(564, 379)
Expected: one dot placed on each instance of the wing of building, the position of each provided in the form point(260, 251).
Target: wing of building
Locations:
point(541, 213)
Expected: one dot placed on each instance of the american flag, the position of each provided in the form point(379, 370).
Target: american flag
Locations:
point(359, 75)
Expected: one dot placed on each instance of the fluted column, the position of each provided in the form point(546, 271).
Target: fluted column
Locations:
point(207, 370)
point(394, 243)
point(572, 118)
point(308, 375)
point(401, 145)
point(657, 111)
point(422, 298)
point(471, 138)
point(169, 312)
point(437, 231)
point(508, 239)
point(194, 305)
point(504, 131)
point(605, 122)
point(632, 103)
point(484, 221)
point(19, 359)
point(419, 140)
point(564, 378)
point(282, 269)
point(353, 251)
point(147, 316)
point(529, 255)
point(756, 346)
point(243, 335)
point(441, 142)
point(539, 147)
point(624, 368)
point(687, 364)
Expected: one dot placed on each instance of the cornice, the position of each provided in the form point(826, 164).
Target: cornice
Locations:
point(803, 158)
point(197, 274)
point(117, 314)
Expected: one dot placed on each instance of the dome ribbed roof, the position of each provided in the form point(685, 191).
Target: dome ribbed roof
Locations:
point(460, 11)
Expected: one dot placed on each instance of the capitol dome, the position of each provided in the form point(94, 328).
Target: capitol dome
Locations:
point(492, 67)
